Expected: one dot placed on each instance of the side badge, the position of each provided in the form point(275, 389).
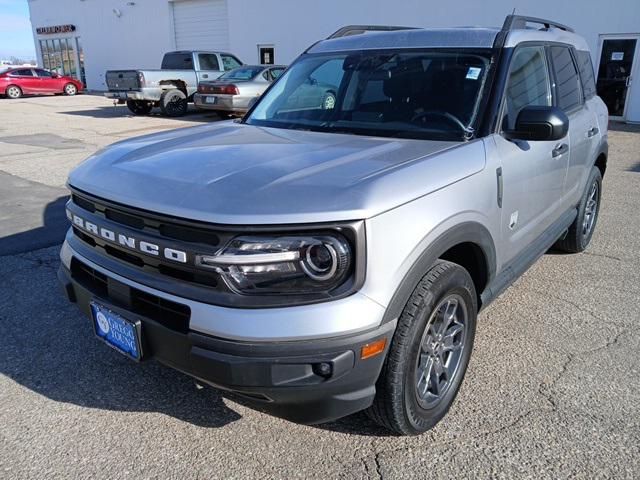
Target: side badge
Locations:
point(513, 221)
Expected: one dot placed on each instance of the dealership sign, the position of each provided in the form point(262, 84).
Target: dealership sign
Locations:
point(55, 29)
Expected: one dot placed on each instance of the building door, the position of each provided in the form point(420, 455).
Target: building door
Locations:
point(617, 62)
point(267, 54)
point(200, 25)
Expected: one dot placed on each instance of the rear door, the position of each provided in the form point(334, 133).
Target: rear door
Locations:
point(583, 124)
point(208, 67)
point(26, 80)
point(531, 173)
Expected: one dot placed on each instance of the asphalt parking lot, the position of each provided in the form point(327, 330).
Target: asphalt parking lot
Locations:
point(552, 391)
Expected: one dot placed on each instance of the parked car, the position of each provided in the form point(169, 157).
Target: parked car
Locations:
point(171, 87)
point(233, 91)
point(15, 82)
point(321, 261)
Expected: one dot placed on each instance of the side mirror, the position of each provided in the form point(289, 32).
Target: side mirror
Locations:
point(539, 123)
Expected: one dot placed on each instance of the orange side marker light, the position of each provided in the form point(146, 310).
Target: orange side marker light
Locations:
point(372, 349)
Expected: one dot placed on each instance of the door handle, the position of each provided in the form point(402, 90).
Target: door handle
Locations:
point(559, 150)
point(627, 81)
point(204, 75)
point(592, 131)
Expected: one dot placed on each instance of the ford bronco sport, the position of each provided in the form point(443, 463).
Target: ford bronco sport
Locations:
point(321, 261)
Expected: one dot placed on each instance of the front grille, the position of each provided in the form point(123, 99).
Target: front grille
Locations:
point(175, 231)
point(172, 315)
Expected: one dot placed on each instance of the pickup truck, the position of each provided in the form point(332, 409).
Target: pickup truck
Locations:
point(172, 86)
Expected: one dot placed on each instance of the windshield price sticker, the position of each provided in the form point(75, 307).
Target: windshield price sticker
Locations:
point(473, 73)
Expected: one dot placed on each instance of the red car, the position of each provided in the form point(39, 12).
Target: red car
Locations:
point(18, 81)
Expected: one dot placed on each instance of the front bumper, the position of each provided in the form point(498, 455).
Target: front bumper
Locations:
point(280, 378)
point(226, 103)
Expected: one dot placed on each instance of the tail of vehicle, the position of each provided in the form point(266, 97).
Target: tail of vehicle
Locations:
point(124, 80)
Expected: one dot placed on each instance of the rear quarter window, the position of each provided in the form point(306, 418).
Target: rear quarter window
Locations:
point(585, 65)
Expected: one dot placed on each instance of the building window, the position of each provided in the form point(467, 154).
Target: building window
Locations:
point(63, 56)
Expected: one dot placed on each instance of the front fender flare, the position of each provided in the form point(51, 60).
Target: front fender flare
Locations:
point(467, 232)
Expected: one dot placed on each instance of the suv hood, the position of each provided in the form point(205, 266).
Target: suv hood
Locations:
point(230, 173)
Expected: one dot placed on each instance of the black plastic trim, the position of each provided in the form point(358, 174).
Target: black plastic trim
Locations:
point(467, 232)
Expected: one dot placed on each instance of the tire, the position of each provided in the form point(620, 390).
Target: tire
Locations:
point(581, 230)
point(13, 92)
point(70, 89)
point(398, 405)
point(173, 103)
point(328, 101)
point(139, 107)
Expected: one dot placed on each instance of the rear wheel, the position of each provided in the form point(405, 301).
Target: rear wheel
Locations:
point(13, 91)
point(70, 89)
point(139, 107)
point(328, 101)
point(173, 103)
point(581, 230)
point(429, 353)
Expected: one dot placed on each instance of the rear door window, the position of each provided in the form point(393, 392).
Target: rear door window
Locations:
point(567, 80)
point(208, 61)
point(22, 73)
point(44, 73)
point(177, 61)
point(528, 83)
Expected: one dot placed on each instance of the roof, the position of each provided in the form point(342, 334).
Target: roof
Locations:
point(415, 38)
point(462, 37)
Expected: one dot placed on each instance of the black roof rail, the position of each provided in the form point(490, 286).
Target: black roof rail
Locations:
point(358, 29)
point(517, 22)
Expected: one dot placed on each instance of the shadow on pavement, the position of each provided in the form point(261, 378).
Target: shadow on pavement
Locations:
point(48, 346)
point(119, 111)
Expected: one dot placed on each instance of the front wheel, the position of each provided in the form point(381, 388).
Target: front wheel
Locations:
point(429, 353)
point(139, 107)
point(581, 230)
point(70, 89)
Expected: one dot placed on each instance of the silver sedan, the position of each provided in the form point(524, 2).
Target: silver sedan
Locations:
point(232, 92)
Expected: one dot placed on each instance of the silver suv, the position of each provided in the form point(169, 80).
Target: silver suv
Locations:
point(320, 258)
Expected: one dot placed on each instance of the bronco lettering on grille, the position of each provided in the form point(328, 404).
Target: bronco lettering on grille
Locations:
point(127, 241)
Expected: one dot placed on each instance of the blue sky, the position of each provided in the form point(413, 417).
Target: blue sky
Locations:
point(16, 38)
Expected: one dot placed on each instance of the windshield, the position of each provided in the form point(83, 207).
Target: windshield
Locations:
point(410, 94)
point(242, 73)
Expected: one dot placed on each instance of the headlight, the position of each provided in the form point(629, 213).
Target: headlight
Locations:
point(282, 264)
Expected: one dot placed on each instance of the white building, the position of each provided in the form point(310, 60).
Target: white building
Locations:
point(85, 38)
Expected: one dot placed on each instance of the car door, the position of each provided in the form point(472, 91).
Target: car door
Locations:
point(208, 68)
point(26, 80)
point(583, 123)
point(531, 173)
point(47, 82)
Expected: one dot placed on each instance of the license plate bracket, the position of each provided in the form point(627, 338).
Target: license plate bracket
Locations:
point(120, 333)
point(210, 100)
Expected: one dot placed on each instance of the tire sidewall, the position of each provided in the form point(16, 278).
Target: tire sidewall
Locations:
point(454, 282)
point(167, 98)
point(594, 176)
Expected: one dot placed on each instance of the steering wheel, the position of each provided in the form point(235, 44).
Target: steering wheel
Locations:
point(437, 113)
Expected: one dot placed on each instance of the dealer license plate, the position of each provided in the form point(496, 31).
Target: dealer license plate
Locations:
point(116, 331)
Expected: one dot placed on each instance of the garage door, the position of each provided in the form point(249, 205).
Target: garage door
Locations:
point(201, 24)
